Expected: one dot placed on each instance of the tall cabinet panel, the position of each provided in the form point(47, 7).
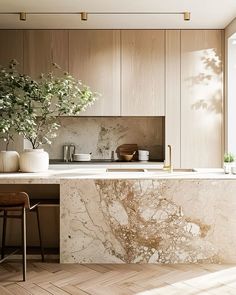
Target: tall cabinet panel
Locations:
point(201, 98)
point(11, 47)
point(143, 72)
point(172, 118)
point(44, 47)
point(94, 57)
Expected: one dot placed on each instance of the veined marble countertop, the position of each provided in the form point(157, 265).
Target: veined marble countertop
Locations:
point(147, 171)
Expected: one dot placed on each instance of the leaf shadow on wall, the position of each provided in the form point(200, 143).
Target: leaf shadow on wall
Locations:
point(212, 74)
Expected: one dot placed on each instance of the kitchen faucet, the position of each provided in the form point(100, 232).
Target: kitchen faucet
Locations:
point(169, 167)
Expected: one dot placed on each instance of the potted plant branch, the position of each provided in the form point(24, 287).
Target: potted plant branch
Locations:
point(9, 160)
point(229, 158)
point(36, 106)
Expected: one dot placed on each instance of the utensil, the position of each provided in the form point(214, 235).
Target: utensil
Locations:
point(71, 152)
point(65, 152)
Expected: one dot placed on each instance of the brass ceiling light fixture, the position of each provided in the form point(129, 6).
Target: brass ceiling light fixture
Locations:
point(187, 16)
point(23, 16)
point(84, 14)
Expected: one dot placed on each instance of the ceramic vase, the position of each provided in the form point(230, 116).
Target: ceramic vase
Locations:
point(9, 161)
point(34, 160)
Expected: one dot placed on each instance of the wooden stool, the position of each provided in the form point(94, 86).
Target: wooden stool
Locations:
point(18, 202)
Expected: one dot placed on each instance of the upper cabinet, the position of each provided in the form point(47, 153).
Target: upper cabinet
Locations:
point(143, 72)
point(201, 98)
point(11, 47)
point(44, 47)
point(94, 58)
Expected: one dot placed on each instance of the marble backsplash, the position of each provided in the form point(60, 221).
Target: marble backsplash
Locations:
point(102, 135)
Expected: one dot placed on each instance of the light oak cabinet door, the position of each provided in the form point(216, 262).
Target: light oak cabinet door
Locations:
point(143, 72)
point(201, 98)
point(11, 47)
point(42, 48)
point(94, 58)
point(173, 103)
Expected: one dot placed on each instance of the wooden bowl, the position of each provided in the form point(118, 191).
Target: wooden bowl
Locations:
point(126, 157)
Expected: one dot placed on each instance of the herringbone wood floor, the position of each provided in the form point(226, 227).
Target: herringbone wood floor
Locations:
point(126, 279)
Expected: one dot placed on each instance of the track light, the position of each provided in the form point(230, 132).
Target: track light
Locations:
point(187, 16)
point(84, 16)
point(23, 16)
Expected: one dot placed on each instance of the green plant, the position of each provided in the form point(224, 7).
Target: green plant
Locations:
point(32, 107)
point(12, 101)
point(229, 158)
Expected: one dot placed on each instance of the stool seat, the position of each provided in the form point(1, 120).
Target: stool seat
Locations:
point(18, 202)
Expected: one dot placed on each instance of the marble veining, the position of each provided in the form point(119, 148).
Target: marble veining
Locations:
point(100, 136)
point(147, 221)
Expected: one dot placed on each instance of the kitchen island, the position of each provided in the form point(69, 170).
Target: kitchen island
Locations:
point(142, 217)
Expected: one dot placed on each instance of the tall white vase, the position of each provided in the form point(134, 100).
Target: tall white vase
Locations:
point(34, 160)
point(9, 161)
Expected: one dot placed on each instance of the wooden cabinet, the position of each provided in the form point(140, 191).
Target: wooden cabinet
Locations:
point(143, 72)
point(94, 57)
point(42, 48)
point(201, 98)
point(11, 47)
point(172, 95)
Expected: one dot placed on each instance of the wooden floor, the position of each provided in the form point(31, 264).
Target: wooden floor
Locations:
point(146, 279)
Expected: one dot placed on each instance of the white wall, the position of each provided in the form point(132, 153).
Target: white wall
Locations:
point(230, 87)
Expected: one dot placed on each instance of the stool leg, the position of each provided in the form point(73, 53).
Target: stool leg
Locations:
point(23, 232)
point(4, 233)
point(40, 236)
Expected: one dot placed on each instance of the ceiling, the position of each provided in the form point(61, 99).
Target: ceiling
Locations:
point(205, 14)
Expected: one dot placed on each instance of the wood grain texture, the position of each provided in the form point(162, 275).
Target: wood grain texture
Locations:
point(172, 119)
point(201, 98)
point(94, 58)
point(143, 72)
point(11, 47)
point(44, 47)
point(115, 279)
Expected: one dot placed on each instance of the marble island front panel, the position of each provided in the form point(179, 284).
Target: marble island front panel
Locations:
point(148, 221)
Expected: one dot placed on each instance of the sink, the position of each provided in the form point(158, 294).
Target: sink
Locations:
point(149, 170)
point(124, 170)
point(166, 171)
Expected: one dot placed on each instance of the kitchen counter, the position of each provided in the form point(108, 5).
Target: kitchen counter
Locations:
point(151, 170)
point(141, 217)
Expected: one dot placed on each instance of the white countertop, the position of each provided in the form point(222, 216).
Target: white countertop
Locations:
point(151, 171)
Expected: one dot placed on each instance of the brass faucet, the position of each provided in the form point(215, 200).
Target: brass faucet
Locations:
point(169, 167)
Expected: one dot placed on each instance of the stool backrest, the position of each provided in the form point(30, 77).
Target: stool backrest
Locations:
point(14, 199)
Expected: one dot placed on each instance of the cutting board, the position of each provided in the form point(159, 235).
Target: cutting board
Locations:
point(127, 149)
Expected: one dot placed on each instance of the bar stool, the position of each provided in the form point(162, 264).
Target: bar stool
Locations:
point(18, 202)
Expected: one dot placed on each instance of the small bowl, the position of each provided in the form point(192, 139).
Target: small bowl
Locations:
point(126, 157)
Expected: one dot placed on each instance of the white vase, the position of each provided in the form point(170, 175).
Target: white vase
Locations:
point(227, 167)
point(34, 160)
point(9, 161)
